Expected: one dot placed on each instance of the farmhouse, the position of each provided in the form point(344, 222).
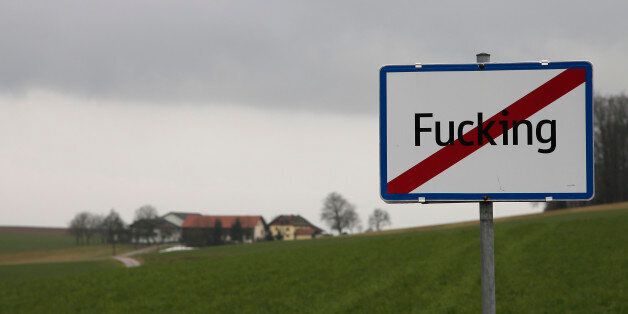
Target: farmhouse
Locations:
point(200, 230)
point(293, 227)
point(165, 229)
point(152, 231)
point(177, 219)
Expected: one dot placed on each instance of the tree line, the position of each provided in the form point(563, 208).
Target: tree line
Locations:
point(610, 115)
point(88, 228)
point(94, 228)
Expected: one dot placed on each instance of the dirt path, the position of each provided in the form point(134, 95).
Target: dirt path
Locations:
point(130, 262)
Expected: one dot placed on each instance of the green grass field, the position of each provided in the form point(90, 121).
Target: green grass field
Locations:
point(13, 242)
point(37, 245)
point(38, 271)
point(572, 262)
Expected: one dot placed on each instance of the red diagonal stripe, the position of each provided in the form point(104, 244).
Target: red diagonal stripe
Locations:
point(521, 109)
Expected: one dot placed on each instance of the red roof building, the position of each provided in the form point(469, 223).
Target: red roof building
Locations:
point(202, 221)
point(254, 227)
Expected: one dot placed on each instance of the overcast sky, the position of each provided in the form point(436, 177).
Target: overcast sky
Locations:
point(243, 107)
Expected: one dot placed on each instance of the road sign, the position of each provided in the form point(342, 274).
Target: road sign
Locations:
point(495, 131)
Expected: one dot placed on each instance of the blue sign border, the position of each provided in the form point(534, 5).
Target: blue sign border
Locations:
point(474, 197)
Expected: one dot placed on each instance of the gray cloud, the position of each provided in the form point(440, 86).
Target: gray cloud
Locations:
point(317, 55)
point(79, 80)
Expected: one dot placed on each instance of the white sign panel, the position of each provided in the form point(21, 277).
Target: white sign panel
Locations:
point(498, 132)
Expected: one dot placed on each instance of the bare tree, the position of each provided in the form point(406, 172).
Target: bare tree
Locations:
point(113, 226)
point(146, 222)
point(379, 219)
point(78, 226)
point(338, 213)
point(93, 226)
point(146, 212)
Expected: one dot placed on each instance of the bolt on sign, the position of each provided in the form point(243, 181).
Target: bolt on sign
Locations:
point(495, 131)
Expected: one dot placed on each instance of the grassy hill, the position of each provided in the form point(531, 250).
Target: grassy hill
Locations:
point(565, 262)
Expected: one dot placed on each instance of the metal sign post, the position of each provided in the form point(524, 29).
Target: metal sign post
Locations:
point(488, 266)
point(486, 238)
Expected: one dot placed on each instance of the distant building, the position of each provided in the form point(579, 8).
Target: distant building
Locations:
point(197, 229)
point(157, 230)
point(166, 229)
point(177, 218)
point(293, 227)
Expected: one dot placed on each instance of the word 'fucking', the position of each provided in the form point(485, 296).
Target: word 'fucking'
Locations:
point(485, 132)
